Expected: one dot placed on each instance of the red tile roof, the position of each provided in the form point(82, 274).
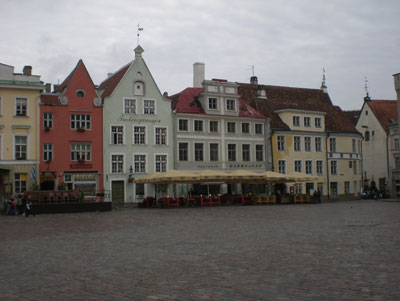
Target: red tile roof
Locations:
point(50, 99)
point(279, 98)
point(352, 115)
point(187, 102)
point(385, 111)
point(110, 83)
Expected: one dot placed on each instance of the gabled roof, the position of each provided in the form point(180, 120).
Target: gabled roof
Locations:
point(111, 83)
point(66, 81)
point(279, 98)
point(352, 115)
point(187, 102)
point(385, 111)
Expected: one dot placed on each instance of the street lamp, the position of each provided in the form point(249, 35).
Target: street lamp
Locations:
point(130, 179)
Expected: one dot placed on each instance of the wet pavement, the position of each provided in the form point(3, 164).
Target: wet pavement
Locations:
point(330, 251)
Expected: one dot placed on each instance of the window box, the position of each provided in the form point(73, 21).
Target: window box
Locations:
point(80, 129)
point(47, 128)
point(81, 160)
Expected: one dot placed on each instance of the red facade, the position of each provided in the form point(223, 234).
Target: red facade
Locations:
point(71, 135)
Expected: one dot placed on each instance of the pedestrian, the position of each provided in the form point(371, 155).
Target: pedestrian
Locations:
point(10, 207)
point(318, 195)
point(23, 204)
point(315, 197)
point(28, 209)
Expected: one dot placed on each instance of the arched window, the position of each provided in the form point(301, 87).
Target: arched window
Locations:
point(80, 93)
point(138, 88)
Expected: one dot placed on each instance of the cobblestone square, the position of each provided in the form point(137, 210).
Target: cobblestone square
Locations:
point(330, 251)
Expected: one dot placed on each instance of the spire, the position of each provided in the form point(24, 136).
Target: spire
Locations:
point(323, 85)
point(366, 98)
point(139, 29)
point(138, 51)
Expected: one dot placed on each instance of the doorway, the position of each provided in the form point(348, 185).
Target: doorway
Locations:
point(118, 191)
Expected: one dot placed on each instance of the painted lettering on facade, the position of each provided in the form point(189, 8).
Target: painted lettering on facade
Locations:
point(137, 120)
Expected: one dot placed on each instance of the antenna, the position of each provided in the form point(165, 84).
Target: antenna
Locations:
point(252, 69)
point(139, 29)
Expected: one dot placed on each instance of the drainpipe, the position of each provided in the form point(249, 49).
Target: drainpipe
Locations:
point(327, 166)
point(387, 158)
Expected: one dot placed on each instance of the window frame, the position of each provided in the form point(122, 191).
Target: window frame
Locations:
point(318, 122)
point(153, 109)
point(184, 122)
point(213, 106)
point(232, 153)
point(282, 163)
point(80, 121)
point(198, 152)
point(231, 103)
point(47, 120)
point(48, 151)
point(139, 163)
point(196, 123)
point(307, 144)
point(296, 121)
point(211, 157)
point(15, 146)
point(307, 121)
point(87, 152)
point(112, 134)
point(229, 128)
point(117, 163)
point(281, 145)
point(211, 127)
point(258, 158)
point(140, 134)
point(129, 106)
point(298, 167)
point(186, 151)
point(163, 165)
point(259, 131)
point(24, 107)
point(297, 143)
point(247, 152)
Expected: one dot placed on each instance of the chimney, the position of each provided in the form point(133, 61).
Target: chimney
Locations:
point(198, 75)
point(165, 94)
point(254, 80)
point(48, 88)
point(55, 87)
point(27, 70)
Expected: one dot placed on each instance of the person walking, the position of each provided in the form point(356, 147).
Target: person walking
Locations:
point(10, 207)
point(28, 209)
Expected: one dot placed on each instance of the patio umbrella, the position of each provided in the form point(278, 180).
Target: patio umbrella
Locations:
point(146, 179)
point(175, 176)
point(214, 176)
point(241, 175)
point(274, 177)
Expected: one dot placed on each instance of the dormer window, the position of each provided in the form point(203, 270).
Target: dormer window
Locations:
point(230, 105)
point(80, 93)
point(296, 120)
point(212, 104)
point(317, 122)
point(138, 88)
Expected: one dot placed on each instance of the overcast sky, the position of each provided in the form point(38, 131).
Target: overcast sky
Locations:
point(288, 42)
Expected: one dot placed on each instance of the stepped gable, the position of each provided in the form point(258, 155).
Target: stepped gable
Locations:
point(385, 111)
point(279, 98)
point(111, 83)
point(187, 102)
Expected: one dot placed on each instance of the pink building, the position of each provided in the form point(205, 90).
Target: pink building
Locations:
point(71, 135)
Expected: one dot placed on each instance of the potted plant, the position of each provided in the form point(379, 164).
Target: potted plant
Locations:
point(47, 128)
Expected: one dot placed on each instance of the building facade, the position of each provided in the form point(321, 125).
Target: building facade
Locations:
point(373, 122)
point(137, 128)
point(19, 133)
point(71, 135)
point(215, 129)
point(309, 135)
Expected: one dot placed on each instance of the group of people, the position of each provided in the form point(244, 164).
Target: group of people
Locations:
point(20, 206)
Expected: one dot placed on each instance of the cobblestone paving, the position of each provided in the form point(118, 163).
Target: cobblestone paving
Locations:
point(333, 251)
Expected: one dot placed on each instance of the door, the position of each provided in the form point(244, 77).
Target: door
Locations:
point(117, 190)
point(334, 190)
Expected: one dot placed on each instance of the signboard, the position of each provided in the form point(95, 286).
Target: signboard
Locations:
point(33, 173)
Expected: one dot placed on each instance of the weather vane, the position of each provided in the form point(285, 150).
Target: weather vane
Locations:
point(252, 69)
point(139, 29)
point(366, 86)
point(323, 75)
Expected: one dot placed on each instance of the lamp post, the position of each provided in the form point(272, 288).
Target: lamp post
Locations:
point(130, 179)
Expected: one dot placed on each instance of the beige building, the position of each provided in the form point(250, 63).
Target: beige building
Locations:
point(309, 135)
point(19, 132)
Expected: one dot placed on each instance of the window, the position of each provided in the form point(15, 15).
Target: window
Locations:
point(397, 162)
point(80, 121)
point(231, 152)
point(212, 104)
point(258, 128)
point(130, 106)
point(297, 165)
point(307, 144)
point(318, 144)
point(307, 121)
point(1, 112)
point(139, 135)
point(367, 136)
point(198, 152)
point(20, 143)
point(333, 167)
point(231, 127)
point(366, 112)
point(297, 143)
point(139, 163)
point(355, 167)
point(47, 120)
point(332, 144)
point(139, 190)
point(213, 152)
point(346, 187)
point(308, 167)
point(296, 120)
point(396, 144)
point(81, 152)
point(245, 152)
point(183, 151)
point(161, 163)
point(317, 121)
point(47, 151)
point(320, 168)
point(183, 125)
point(138, 88)
point(299, 189)
point(80, 93)
point(117, 135)
point(281, 143)
point(246, 128)
point(230, 105)
point(19, 182)
point(353, 144)
point(117, 163)
point(259, 152)
point(149, 107)
point(161, 136)
point(282, 166)
point(213, 126)
point(21, 104)
point(198, 125)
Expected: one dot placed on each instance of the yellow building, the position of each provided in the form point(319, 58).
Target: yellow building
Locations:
point(19, 131)
point(312, 136)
